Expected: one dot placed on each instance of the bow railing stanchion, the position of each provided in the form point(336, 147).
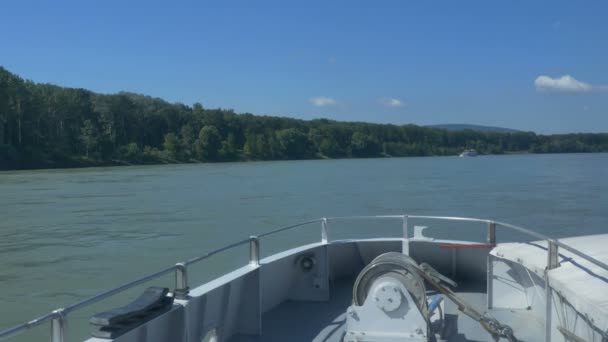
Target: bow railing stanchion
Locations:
point(181, 281)
point(405, 245)
point(552, 255)
point(491, 238)
point(254, 251)
point(552, 262)
point(324, 230)
point(59, 326)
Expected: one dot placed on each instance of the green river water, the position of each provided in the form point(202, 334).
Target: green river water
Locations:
point(66, 235)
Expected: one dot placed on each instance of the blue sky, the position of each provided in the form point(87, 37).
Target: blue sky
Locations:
point(532, 65)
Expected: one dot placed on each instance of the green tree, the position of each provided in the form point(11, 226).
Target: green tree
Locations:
point(208, 144)
point(330, 148)
point(293, 144)
point(187, 135)
point(152, 155)
point(260, 147)
point(89, 137)
point(171, 145)
point(187, 140)
point(250, 149)
point(131, 153)
point(229, 148)
point(363, 145)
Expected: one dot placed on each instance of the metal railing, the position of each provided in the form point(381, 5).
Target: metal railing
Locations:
point(59, 317)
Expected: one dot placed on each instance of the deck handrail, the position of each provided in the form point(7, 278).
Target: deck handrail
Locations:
point(58, 317)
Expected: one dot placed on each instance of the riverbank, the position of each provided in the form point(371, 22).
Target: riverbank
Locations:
point(60, 127)
point(89, 163)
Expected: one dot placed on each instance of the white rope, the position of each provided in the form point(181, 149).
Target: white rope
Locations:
point(557, 310)
point(535, 288)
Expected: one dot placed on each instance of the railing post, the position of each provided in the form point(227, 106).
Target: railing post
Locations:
point(490, 282)
point(552, 262)
point(59, 327)
point(181, 281)
point(405, 245)
point(254, 250)
point(324, 230)
point(491, 239)
point(552, 256)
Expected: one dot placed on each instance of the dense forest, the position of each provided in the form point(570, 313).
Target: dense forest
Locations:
point(43, 125)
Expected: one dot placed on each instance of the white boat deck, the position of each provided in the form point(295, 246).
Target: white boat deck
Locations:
point(325, 321)
point(302, 294)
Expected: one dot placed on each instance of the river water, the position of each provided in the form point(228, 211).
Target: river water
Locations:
point(68, 234)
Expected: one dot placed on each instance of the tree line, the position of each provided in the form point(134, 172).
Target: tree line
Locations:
point(44, 125)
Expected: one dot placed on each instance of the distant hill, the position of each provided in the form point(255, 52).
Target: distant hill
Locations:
point(480, 128)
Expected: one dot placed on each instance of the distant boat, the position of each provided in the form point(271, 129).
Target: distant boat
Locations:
point(468, 153)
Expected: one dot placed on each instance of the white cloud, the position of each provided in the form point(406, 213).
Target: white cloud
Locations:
point(392, 102)
point(322, 101)
point(566, 84)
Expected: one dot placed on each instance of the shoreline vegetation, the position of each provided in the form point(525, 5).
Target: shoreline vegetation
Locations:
point(48, 126)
